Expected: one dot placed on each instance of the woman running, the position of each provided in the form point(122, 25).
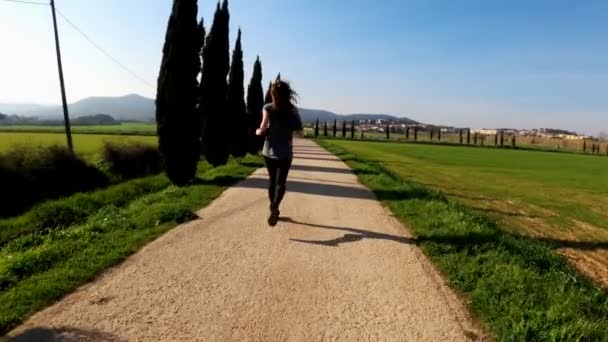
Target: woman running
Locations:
point(279, 123)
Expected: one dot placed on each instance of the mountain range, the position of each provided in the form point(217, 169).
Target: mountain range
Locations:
point(138, 108)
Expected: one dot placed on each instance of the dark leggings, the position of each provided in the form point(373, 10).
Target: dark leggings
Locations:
point(277, 170)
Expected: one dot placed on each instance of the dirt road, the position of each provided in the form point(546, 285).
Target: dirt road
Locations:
point(337, 267)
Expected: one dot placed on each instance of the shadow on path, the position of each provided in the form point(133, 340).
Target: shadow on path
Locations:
point(61, 335)
point(308, 153)
point(353, 236)
point(321, 189)
point(309, 168)
point(300, 156)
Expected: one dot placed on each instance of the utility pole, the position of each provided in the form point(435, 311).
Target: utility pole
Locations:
point(66, 116)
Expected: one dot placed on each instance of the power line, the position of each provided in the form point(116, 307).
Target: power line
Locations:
point(103, 51)
point(107, 54)
point(27, 2)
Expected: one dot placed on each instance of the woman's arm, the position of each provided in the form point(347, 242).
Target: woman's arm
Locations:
point(264, 124)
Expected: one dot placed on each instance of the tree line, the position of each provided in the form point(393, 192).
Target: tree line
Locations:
point(200, 102)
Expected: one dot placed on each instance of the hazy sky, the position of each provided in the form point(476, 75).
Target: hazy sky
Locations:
point(529, 63)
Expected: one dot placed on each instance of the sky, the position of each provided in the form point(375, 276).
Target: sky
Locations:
point(499, 63)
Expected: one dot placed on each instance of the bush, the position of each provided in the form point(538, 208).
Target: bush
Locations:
point(132, 160)
point(32, 174)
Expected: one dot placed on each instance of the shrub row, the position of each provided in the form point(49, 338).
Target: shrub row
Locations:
point(132, 160)
point(29, 175)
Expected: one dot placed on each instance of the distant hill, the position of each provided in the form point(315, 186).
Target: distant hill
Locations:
point(129, 107)
point(139, 108)
point(311, 115)
point(23, 109)
point(91, 120)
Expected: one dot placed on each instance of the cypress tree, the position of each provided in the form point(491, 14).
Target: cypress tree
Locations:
point(431, 134)
point(513, 141)
point(335, 127)
point(325, 129)
point(502, 138)
point(407, 133)
point(236, 102)
point(388, 132)
point(343, 129)
point(362, 134)
point(439, 134)
point(415, 133)
point(460, 136)
point(268, 97)
point(214, 89)
point(352, 130)
point(584, 146)
point(317, 128)
point(468, 136)
point(475, 139)
point(255, 104)
point(178, 135)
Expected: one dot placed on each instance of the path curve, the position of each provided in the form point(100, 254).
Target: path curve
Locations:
point(338, 267)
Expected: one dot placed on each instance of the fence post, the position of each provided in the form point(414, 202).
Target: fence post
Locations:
point(415, 133)
point(468, 136)
point(407, 133)
point(352, 130)
point(388, 132)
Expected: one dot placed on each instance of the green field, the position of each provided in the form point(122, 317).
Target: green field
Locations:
point(564, 187)
point(549, 195)
point(87, 145)
point(467, 208)
point(122, 129)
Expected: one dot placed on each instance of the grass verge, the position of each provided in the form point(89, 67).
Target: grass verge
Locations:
point(521, 289)
point(75, 209)
point(38, 268)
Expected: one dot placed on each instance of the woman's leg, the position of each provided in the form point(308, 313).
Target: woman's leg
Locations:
point(282, 172)
point(271, 166)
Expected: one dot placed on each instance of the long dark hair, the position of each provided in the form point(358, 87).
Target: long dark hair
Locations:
point(284, 97)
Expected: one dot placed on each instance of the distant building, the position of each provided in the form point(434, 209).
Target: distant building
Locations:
point(484, 131)
point(571, 136)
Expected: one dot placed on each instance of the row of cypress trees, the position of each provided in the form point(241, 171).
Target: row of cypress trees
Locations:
point(193, 116)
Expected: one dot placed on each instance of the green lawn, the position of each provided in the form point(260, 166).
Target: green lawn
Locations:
point(564, 188)
point(122, 129)
point(87, 145)
point(39, 264)
point(450, 197)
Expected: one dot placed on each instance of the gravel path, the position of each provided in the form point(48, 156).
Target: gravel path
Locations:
point(338, 267)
